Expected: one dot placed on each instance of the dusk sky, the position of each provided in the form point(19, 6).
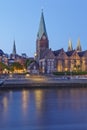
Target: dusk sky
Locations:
point(19, 20)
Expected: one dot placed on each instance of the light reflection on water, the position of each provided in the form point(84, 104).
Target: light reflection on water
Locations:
point(25, 101)
point(38, 99)
point(43, 109)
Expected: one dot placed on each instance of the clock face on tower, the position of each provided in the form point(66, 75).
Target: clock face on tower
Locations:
point(44, 37)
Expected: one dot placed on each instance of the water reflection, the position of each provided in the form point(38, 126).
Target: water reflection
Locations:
point(5, 103)
point(44, 109)
point(75, 99)
point(38, 99)
point(25, 100)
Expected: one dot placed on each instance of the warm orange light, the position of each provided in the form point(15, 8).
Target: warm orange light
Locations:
point(25, 99)
point(38, 98)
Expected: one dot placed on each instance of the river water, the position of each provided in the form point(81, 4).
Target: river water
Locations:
point(44, 109)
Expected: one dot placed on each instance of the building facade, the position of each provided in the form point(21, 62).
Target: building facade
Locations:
point(59, 60)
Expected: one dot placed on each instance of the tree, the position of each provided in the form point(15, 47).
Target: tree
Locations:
point(16, 66)
point(3, 67)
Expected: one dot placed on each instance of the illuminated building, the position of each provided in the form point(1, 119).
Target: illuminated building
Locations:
point(58, 60)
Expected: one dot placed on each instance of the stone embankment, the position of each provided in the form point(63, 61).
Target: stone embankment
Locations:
point(32, 82)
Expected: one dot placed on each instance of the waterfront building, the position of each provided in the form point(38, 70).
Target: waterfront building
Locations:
point(14, 57)
point(44, 55)
point(47, 60)
point(58, 60)
point(3, 57)
point(33, 68)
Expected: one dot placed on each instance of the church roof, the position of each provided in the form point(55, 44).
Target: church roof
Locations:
point(69, 53)
point(81, 53)
point(57, 52)
point(42, 28)
point(47, 52)
point(33, 64)
point(1, 52)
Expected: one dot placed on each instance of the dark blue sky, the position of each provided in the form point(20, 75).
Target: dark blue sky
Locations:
point(19, 20)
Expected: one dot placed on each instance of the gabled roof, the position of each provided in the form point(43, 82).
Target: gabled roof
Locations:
point(31, 66)
point(47, 52)
point(1, 52)
point(69, 53)
point(42, 28)
point(82, 53)
point(57, 52)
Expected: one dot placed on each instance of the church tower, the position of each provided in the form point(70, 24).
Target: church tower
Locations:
point(14, 48)
point(70, 48)
point(79, 48)
point(42, 42)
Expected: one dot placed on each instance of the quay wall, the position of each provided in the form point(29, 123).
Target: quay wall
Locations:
point(41, 82)
point(16, 84)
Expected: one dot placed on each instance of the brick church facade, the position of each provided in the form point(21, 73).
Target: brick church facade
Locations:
point(59, 60)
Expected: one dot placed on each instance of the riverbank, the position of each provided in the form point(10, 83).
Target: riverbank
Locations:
point(36, 82)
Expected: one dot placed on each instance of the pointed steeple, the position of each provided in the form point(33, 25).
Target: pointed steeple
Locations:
point(70, 48)
point(79, 48)
point(42, 42)
point(42, 28)
point(14, 48)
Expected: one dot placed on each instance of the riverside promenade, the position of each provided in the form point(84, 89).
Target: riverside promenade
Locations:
point(41, 81)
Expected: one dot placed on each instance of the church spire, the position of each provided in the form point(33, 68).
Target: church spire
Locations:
point(70, 48)
point(14, 48)
point(42, 42)
point(42, 27)
point(79, 48)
